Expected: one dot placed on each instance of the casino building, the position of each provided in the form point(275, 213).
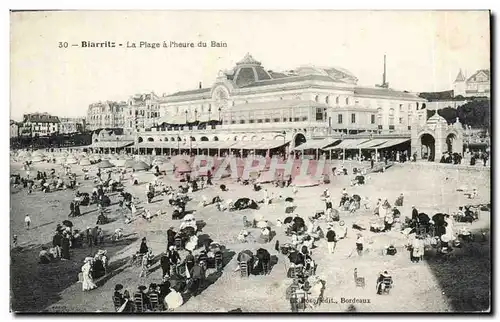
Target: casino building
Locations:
point(310, 108)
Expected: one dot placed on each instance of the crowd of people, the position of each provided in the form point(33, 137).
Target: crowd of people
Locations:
point(187, 259)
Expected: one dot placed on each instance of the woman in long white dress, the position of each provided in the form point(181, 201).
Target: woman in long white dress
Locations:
point(88, 282)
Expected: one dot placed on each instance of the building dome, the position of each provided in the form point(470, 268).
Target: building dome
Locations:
point(437, 119)
point(248, 71)
point(335, 73)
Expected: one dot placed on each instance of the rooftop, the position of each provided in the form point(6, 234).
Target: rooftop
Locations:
point(40, 118)
point(473, 77)
point(386, 92)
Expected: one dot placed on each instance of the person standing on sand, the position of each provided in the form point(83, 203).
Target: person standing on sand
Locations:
point(65, 247)
point(27, 221)
point(359, 244)
point(331, 239)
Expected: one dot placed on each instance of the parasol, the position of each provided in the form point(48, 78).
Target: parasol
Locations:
point(189, 231)
point(188, 217)
point(299, 221)
point(173, 300)
point(263, 255)
point(67, 223)
point(438, 219)
point(289, 199)
point(262, 224)
point(288, 220)
point(296, 258)
point(245, 256)
point(105, 164)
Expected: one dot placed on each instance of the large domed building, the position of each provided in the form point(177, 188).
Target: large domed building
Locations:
point(249, 107)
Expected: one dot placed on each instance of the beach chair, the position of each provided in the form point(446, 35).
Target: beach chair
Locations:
point(266, 267)
point(117, 303)
point(218, 261)
point(295, 272)
point(139, 302)
point(420, 231)
point(244, 271)
point(155, 302)
point(299, 298)
point(178, 243)
point(386, 285)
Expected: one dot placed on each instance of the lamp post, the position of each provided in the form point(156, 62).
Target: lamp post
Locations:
point(209, 114)
point(219, 115)
point(186, 113)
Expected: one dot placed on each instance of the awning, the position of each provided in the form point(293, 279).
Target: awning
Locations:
point(372, 144)
point(111, 144)
point(392, 142)
point(258, 145)
point(348, 144)
point(162, 145)
point(203, 118)
point(175, 120)
point(315, 144)
point(212, 144)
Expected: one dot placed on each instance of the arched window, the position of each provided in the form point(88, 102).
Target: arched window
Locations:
point(316, 98)
point(327, 100)
point(391, 116)
point(347, 101)
point(379, 116)
point(337, 100)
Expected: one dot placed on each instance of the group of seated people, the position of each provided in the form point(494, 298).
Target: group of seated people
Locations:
point(155, 298)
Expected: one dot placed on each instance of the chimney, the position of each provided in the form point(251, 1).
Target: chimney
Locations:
point(384, 77)
point(199, 85)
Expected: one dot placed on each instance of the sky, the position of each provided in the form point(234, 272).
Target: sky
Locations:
point(425, 50)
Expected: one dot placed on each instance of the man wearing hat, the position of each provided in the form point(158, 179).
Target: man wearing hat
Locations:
point(118, 296)
point(414, 214)
point(170, 236)
point(165, 265)
point(331, 240)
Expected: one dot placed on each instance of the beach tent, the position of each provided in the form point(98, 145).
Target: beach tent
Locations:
point(167, 167)
point(36, 159)
point(140, 166)
point(105, 164)
point(61, 160)
point(71, 160)
point(85, 162)
point(38, 153)
point(306, 182)
point(159, 160)
point(182, 166)
point(129, 163)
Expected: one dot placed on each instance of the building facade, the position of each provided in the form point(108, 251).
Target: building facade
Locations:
point(39, 124)
point(71, 125)
point(14, 129)
point(107, 114)
point(479, 84)
point(249, 102)
point(143, 111)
